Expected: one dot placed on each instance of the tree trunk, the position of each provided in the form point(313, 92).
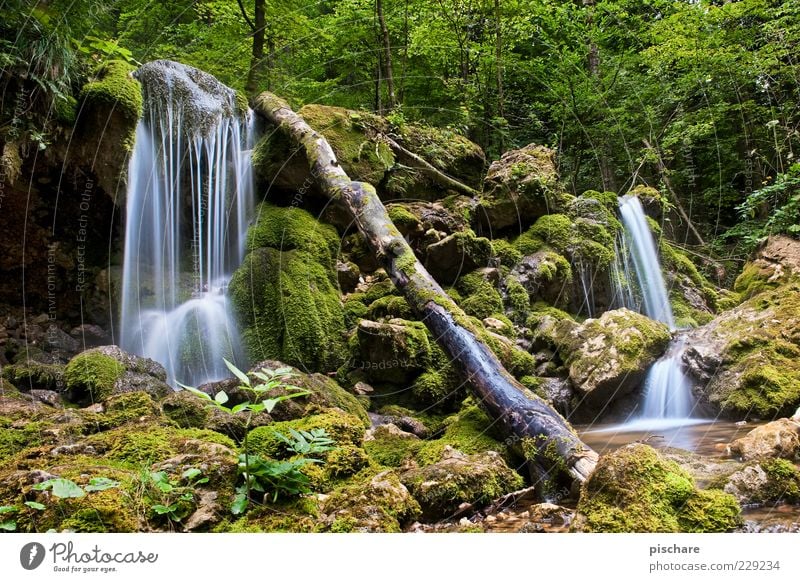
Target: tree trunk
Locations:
point(257, 60)
point(387, 56)
point(501, 112)
point(549, 444)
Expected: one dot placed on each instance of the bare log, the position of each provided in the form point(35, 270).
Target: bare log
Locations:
point(549, 444)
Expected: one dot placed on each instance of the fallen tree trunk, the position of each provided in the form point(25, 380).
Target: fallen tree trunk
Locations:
point(548, 442)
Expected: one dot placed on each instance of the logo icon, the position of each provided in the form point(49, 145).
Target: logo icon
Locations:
point(31, 555)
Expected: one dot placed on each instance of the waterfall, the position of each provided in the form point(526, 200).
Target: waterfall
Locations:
point(667, 391)
point(189, 197)
point(645, 261)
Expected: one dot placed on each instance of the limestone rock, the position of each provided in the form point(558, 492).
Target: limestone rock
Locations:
point(777, 439)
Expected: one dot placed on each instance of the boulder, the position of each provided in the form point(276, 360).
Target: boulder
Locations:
point(519, 187)
point(99, 373)
point(545, 275)
point(441, 488)
point(393, 353)
point(634, 489)
point(777, 439)
point(457, 254)
point(774, 263)
point(770, 481)
point(608, 357)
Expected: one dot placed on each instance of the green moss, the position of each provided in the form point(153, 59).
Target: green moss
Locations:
point(379, 290)
point(507, 253)
point(583, 240)
point(31, 374)
point(635, 490)
point(354, 310)
point(402, 218)
point(783, 481)
point(345, 429)
point(392, 451)
point(14, 440)
point(481, 298)
point(755, 279)
point(290, 309)
point(289, 516)
point(685, 315)
point(292, 228)
point(186, 410)
point(608, 199)
point(518, 362)
point(345, 461)
point(433, 388)
point(675, 260)
point(114, 87)
point(470, 432)
point(390, 306)
point(242, 103)
point(91, 376)
point(122, 409)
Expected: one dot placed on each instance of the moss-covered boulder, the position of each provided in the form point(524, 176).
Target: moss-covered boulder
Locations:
point(777, 439)
point(747, 360)
point(285, 293)
point(608, 357)
point(634, 489)
point(98, 373)
point(110, 108)
point(440, 488)
point(393, 352)
point(770, 481)
point(775, 263)
point(520, 187)
point(374, 503)
point(457, 254)
point(32, 375)
point(545, 275)
point(355, 139)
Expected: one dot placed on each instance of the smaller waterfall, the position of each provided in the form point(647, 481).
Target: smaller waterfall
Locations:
point(645, 261)
point(667, 391)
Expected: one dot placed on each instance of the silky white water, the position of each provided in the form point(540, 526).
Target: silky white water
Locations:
point(189, 197)
point(667, 391)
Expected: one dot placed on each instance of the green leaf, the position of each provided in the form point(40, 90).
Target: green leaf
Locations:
point(221, 397)
point(238, 373)
point(66, 489)
point(191, 473)
point(8, 509)
point(270, 404)
point(9, 525)
point(101, 484)
point(195, 391)
point(240, 503)
point(240, 407)
point(36, 505)
point(163, 509)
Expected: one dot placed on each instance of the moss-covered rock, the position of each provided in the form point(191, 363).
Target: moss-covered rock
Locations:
point(33, 375)
point(747, 359)
point(634, 489)
point(775, 263)
point(389, 446)
point(373, 503)
point(770, 481)
point(285, 293)
point(608, 357)
point(470, 431)
point(98, 373)
point(545, 275)
point(456, 254)
point(481, 297)
point(520, 187)
point(345, 429)
point(392, 352)
point(440, 488)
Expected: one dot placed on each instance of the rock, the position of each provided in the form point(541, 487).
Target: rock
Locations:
point(348, 276)
point(57, 339)
point(551, 514)
point(49, 397)
point(363, 389)
point(440, 488)
point(519, 187)
point(770, 481)
point(33, 375)
point(776, 262)
point(608, 357)
point(634, 489)
point(545, 275)
point(392, 353)
point(380, 503)
point(777, 439)
point(207, 514)
point(559, 392)
point(90, 335)
point(457, 254)
point(704, 470)
point(388, 431)
point(98, 373)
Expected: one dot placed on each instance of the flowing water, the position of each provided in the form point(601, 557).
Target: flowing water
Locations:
point(667, 391)
point(190, 195)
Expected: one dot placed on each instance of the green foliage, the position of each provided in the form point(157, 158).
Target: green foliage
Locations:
point(172, 496)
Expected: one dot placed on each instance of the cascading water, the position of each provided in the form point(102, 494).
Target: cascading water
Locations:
point(189, 197)
point(667, 391)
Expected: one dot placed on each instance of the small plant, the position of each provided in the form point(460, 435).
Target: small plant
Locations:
point(66, 489)
point(8, 523)
point(268, 478)
point(174, 495)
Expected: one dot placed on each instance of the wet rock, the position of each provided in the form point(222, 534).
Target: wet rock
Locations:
point(57, 339)
point(457, 254)
point(544, 275)
point(777, 439)
point(90, 335)
point(704, 470)
point(608, 357)
point(441, 488)
point(559, 392)
point(776, 262)
point(348, 276)
point(551, 514)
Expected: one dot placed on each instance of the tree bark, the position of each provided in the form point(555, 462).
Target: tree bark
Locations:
point(549, 444)
point(387, 56)
point(257, 60)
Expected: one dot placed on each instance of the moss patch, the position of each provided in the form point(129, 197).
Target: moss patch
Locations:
point(91, 376)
